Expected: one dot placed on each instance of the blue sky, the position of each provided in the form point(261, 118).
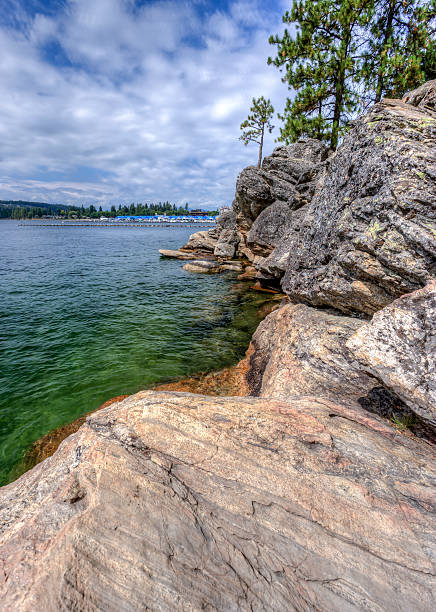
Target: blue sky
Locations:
point(109, 101)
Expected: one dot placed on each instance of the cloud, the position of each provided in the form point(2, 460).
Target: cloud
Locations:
point(115, 101)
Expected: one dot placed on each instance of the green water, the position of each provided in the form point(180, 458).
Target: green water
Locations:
point(90, 313)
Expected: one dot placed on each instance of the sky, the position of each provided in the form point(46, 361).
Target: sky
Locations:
point(119, 101)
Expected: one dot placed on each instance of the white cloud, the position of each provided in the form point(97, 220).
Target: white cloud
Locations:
point(100, 102)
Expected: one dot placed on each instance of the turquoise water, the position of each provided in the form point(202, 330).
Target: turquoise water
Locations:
point(90, 313)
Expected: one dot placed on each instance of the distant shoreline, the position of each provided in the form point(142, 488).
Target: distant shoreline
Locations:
point(124, 224)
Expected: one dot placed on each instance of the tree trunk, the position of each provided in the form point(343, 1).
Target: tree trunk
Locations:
point(388, 32)
point(259, 161)
point(340, 87)
point(337, 113)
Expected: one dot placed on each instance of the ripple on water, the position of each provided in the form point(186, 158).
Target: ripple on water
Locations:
point(87, 315)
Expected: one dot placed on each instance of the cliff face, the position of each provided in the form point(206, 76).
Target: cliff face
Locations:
point(353, 230)
point(371, 235)
point(314, 490)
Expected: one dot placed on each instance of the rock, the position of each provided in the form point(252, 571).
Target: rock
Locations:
point(370, 231)
point(399, 347)
point(227, 220)
point(298, 350)
point(248, 273)
point(227, 243)
point(258, 188)
point(253, 194)
point(172, 501)
point(423, 97)
point(201, 266)
point(214, 232)
point(291, 161)
point(200, 241)
point(230, 267)
point(268, 228)
point(222, 237)
point(288, 236)
point(176, 254)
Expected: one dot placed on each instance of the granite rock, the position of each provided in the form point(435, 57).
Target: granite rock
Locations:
point(176, 254)
point(202, 266)
point(370, 233)
point(298, 350)
point(288, 238)
point(423, 97)
point(258, 188)
point(173, 501)
point(227, 243)
point(398, 347)
point(269, 227)
point(201, 242)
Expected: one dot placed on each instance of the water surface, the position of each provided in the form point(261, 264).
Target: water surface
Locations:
point(88, 313)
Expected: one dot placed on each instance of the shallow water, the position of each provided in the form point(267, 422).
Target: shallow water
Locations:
point(90, 313)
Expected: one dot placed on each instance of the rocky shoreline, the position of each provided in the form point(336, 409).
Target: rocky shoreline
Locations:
point(228, 381)
point(304, 477)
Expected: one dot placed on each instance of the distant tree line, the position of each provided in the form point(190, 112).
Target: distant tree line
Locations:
point(19, 209)
point(10, 209)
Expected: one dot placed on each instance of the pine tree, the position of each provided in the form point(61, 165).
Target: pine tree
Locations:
point(320, 62)
point(400, 53)
point(254, 126)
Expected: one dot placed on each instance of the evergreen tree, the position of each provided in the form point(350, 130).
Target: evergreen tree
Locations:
point(429, 62)
point(320, 61)
point(254, 126)
point(400, 53)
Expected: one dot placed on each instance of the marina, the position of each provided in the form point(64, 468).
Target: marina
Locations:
point(99, 224)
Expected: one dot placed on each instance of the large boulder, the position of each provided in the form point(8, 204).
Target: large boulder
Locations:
point(269, 227)
point(371, 235)
point(298, 350)
point(201, 241)
point(399, 347)
point(227, 243)
point(253, 194)
point(286, 239)
point(173, 501)
point(226, 220)
point(258, 188)
point(424, 96)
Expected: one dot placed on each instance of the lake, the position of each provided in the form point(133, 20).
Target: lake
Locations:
point(89, 313)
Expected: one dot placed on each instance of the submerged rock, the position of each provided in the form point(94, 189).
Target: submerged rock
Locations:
point(399, 347)
point(173, 501)
point(201, 266)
